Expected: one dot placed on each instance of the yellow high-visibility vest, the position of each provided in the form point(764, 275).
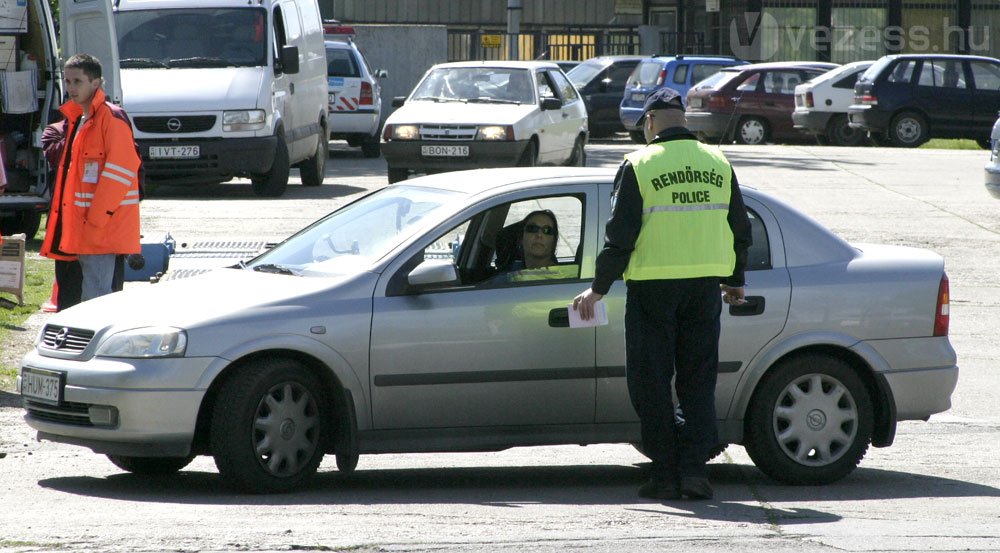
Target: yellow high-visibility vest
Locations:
point(685, 187)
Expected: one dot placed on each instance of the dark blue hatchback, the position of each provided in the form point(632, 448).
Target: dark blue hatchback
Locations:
point(677, 72)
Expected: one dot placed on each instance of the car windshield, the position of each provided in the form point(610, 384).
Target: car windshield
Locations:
point(357, 235)
point(202, 37)
point(482, 84)
point(584, 73)
point(646, 73)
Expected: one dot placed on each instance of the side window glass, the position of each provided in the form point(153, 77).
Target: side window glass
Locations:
point(902, 73)
point(566, 89)
point(545, 88)
point(750, 84)
point(848, 81)
point(942, 74)
point(680, 73)
point(279, 33)
point(618, 75)
point(702, 71)
point(759, 253)
point(539, 241)
point(986, 75)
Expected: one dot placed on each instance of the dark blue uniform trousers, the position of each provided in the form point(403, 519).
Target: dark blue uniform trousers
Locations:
point(672, 330)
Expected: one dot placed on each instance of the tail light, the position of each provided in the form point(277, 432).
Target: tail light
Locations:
point(809, 100)
point(662, 78)
point(367, 98)
point(941, 317)
point(866, 99)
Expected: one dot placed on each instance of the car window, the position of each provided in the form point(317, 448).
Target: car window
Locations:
point(942, 74)
point(680, 73)
point(702, 71)
point(340, 63)
point(750, 84)
point(582, 74)
point(647, 74)
point(986, 75)
point(493, 248)
point(903, 72)
point(566, 89)
point(545, 87)
point(781, 82)
point(759, 253)
point(619, 74)
point(848, 82)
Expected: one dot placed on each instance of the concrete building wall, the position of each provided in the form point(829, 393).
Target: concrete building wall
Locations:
point(535, 13)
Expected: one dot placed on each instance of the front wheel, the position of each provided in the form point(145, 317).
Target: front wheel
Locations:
point(313, 170)
point(810, 421)
point(273, 183)
point(529, 157)
point(751, 131)
point(268, 432)
point(150, 466)
point(578, 158)
point(397, 174)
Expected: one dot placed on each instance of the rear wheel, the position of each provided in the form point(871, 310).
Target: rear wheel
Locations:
point(397, 174)
point(150, 466)
point(810, 421)
point(313, 170)
point(273, 183)
point(840, 133)
point(908, 130)
point(751, 131)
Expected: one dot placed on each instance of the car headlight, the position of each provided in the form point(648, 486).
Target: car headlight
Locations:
point(243, 120)
point(146, 342)
point(495, 132)
point(405, 132)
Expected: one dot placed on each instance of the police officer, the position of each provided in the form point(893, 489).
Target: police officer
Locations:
point(678, 232)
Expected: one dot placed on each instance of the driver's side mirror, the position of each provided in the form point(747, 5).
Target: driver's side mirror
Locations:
point(551, 103)
point(398, 101)
point(433, 272)
point(290, 60)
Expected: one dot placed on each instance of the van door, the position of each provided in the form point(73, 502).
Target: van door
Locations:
point(88, 27)
point(286, 29)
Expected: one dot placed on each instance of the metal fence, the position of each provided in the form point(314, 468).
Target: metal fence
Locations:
point(578, 45)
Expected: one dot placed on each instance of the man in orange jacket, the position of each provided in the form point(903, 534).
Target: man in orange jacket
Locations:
point(94, 214)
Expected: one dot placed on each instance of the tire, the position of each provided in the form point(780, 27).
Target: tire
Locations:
point(273, 183)
point(268, 431)
point(24, 221)
point(529, 157)
point(371, 147)
point(346, 463)
point(637, 136)
point(313, 170)
point(578, 158)
point(751, 131)
point(840, 133)
point(810, 421)
point(908, 130)
point(150, 466)
point(397, 174)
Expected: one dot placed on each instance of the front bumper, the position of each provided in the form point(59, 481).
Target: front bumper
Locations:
point(869, 119)
point(223, 158)
point(813, 122)
point(708, 124)
point(138, 407)
point(400, 154)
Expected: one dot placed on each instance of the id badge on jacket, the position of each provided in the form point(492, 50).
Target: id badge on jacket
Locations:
point(91, 170)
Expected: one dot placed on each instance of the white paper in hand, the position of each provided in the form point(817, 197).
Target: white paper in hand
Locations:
point(600, 316)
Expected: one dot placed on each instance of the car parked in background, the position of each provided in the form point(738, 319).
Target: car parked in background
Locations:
point(400, 323)
point(653, 73)
point(475, 114)
point(905, 100)
point(751, 104)
point(993, 167)
point(355, 97)
point(821, 105)
point(601, 82)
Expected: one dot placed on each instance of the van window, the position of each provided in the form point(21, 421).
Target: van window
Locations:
point(198, 37)
point(279, 34)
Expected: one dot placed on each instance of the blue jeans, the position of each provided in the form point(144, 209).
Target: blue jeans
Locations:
point(98, 275)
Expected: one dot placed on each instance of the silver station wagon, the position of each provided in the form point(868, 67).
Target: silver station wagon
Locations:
point(405, 322)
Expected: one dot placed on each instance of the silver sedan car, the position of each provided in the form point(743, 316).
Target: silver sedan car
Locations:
point(402, 322)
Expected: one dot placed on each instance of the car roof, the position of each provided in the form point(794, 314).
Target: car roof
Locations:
point(673, 57)
point(783, 65)
point(499, 63)
point(939, 56)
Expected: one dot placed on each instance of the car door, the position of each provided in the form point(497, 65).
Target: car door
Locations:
point(572, 116)
point(492, 349)
point(985, 96)
point(745, 329)
point(942, 93)
point(604, 93)
point(777, 99)
point(546, 123)
point(88, 27)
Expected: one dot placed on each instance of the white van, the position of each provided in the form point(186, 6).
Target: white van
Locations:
point(218, 89)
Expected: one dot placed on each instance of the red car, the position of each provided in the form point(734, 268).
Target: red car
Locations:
point(751, 104)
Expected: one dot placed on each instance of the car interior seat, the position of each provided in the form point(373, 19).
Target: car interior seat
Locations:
point(508, 246)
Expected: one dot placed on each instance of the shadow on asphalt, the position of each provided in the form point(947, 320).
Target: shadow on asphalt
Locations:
point(9, 399)
point(739, 489)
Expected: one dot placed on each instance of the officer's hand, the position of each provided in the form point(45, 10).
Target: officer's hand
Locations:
point(733, 295)
point(584, 303)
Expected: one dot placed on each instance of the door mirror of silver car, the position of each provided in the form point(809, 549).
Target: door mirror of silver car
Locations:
point(433, 271)
point(551, 103)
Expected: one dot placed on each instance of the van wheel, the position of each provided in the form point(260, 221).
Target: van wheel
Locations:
point(150, 466)
point(751, 131)
point(371, 147)
point(637, 136)
point(24, 221)
point(313, 170)
point(268, 430)
point(810, 421)
point(908, 130)
point(397, 174)
point(840, 133)
point(273, 183)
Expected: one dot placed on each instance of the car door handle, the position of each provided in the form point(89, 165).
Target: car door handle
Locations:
point(565, 115)
point(559, 317)
point(753, 306)
point(291, 88)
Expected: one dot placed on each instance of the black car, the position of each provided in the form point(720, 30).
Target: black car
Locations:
point(601, 82)
point(904, 100)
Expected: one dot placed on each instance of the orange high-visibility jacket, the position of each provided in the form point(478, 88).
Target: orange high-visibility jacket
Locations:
point(95, 204)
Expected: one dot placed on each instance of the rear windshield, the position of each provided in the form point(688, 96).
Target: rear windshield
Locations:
point(340, 63)
point(646, 74)
point(872, 72)
point(585, 72)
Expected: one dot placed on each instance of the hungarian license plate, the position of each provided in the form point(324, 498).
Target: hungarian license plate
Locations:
point(42, 385)
point(174, 152)
point(638, 97)
point(444, 151)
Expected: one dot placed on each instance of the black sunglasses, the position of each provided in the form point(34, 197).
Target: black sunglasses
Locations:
point(535, 229)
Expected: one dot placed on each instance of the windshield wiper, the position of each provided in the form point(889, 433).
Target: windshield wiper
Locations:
point(485, 100)
point(141, 62)
point(274, 268)
point(438, 99)
point(200, 62)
